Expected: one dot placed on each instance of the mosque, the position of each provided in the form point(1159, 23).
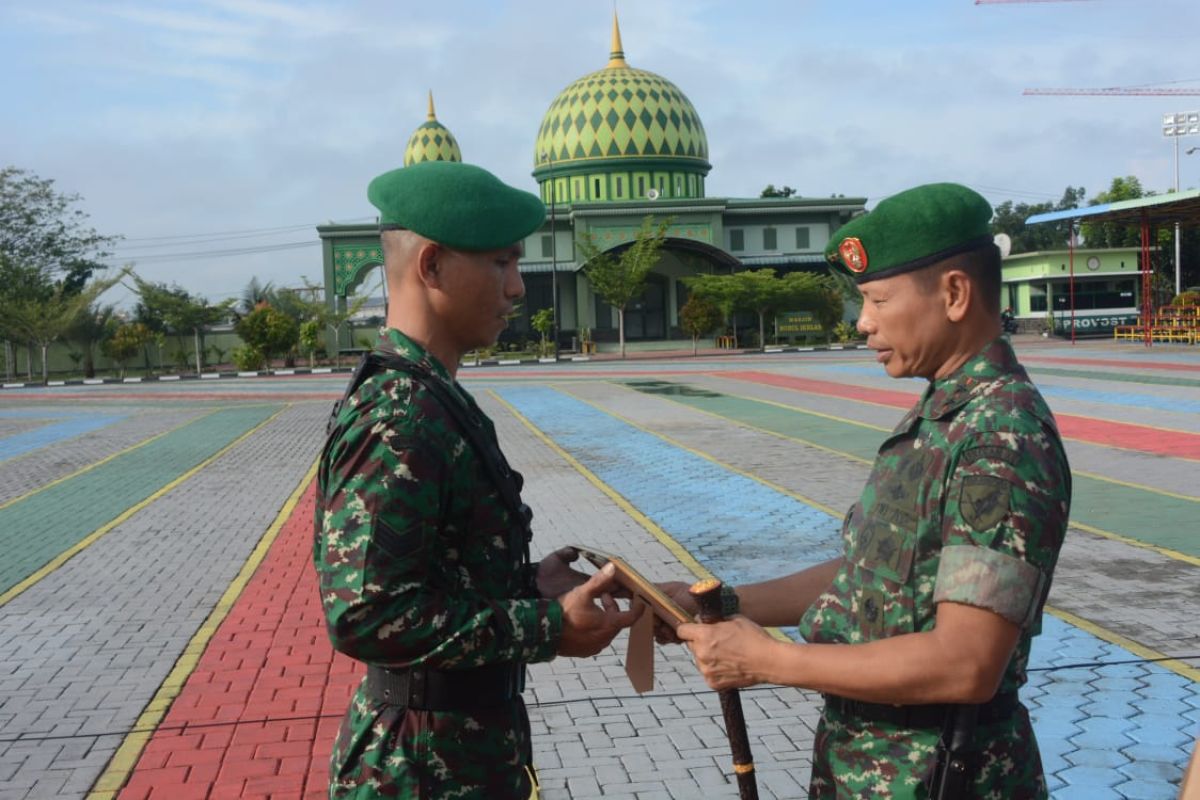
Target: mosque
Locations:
point(614, 146)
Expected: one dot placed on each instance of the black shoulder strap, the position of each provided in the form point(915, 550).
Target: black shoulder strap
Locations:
point(469, 424)
point(363, 371)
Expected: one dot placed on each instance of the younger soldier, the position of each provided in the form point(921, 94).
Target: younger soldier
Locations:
point(950, 549)
point(421, 543)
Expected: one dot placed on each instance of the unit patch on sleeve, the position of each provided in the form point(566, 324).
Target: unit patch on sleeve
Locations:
point(984, 501)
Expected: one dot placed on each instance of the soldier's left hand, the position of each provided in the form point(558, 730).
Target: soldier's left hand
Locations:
point(554, 575)
point(729, 654)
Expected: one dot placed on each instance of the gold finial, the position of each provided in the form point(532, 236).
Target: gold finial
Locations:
point(616, 59)
point(432, 116)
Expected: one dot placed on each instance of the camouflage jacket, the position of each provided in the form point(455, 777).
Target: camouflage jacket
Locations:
point(417, 566)
point(967, 502)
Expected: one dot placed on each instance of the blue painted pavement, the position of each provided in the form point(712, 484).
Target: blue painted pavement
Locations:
point(1117, 731)
point(66, 426)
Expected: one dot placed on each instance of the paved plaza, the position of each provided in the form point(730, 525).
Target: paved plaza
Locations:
point(161, 635)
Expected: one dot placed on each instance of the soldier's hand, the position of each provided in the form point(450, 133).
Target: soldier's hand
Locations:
point(730, 654)
point(588, 625)
point(554, 575)
point(677, 591)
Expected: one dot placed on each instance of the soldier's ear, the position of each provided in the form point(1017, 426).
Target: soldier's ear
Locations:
point(958, 292)
point(427, 263)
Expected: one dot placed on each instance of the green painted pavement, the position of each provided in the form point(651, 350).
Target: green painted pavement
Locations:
point(39, 527)
point(1150, 517)
point(1114, 376)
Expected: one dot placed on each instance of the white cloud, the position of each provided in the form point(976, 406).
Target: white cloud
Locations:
point(234, 114)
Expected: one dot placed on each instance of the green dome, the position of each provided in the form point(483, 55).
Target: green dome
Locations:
point(612, 118)
point(622, 112)
point(431, 142)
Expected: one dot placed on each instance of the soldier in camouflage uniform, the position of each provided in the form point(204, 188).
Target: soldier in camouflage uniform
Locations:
point(421, 557)
point(950, 549)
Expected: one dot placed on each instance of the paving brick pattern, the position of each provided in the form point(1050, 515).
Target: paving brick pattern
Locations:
point(269, 666)
point(35, 469)
point(84, 650)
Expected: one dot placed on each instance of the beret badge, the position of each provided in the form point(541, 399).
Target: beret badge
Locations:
point(853, 254)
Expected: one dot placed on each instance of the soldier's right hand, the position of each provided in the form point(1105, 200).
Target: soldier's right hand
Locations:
point(588, 626)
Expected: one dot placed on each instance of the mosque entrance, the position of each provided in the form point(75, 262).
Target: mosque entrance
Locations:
point(646, 315)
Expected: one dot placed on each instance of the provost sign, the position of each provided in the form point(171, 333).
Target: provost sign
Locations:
point(1092, 324)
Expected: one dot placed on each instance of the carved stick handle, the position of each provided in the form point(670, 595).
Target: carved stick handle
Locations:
point(708, 595)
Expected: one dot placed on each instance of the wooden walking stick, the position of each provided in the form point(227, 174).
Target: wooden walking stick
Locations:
point(708, 595)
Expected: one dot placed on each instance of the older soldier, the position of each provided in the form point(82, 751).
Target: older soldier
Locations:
point(921, 631)
point(421, 539)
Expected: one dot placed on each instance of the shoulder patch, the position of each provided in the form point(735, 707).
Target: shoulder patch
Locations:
point(984, 501)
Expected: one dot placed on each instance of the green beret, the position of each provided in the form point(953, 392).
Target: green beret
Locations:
point(455, 204)
point(911, 230)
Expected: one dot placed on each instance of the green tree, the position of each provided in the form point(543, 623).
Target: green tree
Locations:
point(782, 191)
point(181, 313)
point(1009, 219)
point(43, 234)
point(42, 321)
point(726, 292)
point(254, 295)
point(91, 326)
point(1111, 234)
point(332, 319)
point(310, 339)
point(46, 248)
point(126, 342)
point(268, 330)
point(699, 317)
point(825, 300)
point(620, 279)
point(762, 293)
point(543, 322)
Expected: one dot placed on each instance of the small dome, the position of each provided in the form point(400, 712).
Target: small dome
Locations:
point(433, 141)
point(621, 112)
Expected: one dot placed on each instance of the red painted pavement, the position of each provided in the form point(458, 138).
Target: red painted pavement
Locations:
point(269, 659)
point(1178, 444)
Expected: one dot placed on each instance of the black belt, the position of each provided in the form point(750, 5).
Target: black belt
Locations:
point(999, 708)
point(428, 689)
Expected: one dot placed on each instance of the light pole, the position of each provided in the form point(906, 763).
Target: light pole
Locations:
point(1186, 123)
point(549, 159)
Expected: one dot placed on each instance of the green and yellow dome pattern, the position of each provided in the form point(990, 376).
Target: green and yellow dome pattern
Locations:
point(620, 113)
point(431, 142)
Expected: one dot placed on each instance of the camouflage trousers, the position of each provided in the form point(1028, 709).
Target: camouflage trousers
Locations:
point(853, 760)
point(385, 751)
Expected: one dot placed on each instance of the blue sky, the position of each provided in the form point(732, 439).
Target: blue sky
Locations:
point(240, 124)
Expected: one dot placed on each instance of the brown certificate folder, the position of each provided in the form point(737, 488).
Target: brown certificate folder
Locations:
point(639, 660)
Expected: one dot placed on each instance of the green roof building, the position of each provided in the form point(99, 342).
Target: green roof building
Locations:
point(614, 146)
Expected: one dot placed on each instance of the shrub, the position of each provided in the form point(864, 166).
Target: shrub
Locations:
point(247, 357)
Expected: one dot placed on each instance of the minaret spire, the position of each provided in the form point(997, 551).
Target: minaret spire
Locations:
point(432, 115)
point(616, 58)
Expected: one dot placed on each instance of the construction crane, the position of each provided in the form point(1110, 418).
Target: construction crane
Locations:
point(1112, 91)
point(997, 2)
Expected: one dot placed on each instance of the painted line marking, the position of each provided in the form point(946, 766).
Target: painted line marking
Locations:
point(707, 456)
point(104, 460)
point(1091, 430)
point(1175, 555)
point(1139, 650)
point(662, 536)
point(95, 535)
